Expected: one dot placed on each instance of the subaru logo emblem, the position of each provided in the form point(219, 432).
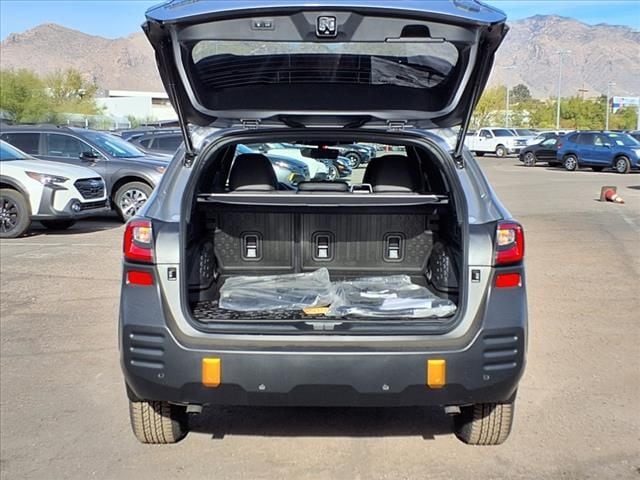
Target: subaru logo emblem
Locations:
point(327, 27)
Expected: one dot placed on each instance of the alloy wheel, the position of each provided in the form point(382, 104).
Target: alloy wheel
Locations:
point(131, 201)
point(570, 163)
point(8, 215)
point(529, 159)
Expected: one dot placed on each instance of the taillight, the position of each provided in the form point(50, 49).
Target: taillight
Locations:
point(138, 241)
point(509, 243)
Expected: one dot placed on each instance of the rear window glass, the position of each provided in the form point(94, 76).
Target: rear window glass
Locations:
point(502, 132)
point(27, 142)
point(230, 64)
point(168, 143)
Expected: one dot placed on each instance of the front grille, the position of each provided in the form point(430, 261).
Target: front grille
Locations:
point(90, 188)
point(92, 205)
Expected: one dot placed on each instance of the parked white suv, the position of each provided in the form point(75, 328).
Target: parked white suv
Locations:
point(53, 193)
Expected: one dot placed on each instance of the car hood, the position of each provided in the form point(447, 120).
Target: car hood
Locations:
point(153, 160)
point(53, 168)
point(420, 63)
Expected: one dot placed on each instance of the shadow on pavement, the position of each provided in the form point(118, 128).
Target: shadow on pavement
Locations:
point(90, 225)
point(322, 422)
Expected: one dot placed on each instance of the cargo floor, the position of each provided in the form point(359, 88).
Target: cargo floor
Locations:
point(210, 312)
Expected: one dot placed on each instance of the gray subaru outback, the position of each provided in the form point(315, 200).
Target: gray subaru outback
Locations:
point(405, 288)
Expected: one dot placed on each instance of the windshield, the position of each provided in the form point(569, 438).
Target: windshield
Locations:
point(114, 146)
point(624, 140)
point(503, 132)
point(523, 132)
point(7, 152)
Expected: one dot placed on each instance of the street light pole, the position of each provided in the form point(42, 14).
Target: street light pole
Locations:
point(562, 53)
point(507, 109)
point(606, 121)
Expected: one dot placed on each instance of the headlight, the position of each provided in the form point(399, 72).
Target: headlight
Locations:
point(281, 164)
point(46, 179)
point(161, 169)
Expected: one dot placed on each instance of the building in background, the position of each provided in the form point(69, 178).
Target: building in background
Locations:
point(150, 106)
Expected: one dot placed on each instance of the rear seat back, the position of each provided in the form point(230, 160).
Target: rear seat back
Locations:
point(252, 172)
point(394, 174)
point(280, 241)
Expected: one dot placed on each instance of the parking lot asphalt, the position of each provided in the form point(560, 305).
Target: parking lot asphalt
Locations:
point(63, 409)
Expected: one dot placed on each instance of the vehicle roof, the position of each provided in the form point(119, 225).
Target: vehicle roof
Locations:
point(464, 10)
point(50, 128)
point(159, 134)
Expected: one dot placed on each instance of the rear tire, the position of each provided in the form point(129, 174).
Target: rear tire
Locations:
point(158, 422)
point(570, 163)
point(485, 423)
point(15, 217)
point(501, 151)
point(57, 224)
point(622, 165)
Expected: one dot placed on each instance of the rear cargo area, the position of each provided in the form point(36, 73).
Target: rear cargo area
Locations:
point(393, 224)
point(351, 243)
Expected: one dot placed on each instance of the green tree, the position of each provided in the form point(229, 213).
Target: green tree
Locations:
point(23, 96)
point(540, 113)
point(69, 93)
point(520, 93)
point(487, 110)
point(624, 119)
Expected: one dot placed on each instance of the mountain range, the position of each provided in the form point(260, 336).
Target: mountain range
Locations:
point(594, 56)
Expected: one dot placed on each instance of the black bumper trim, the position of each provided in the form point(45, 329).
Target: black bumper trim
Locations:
point(165, 370)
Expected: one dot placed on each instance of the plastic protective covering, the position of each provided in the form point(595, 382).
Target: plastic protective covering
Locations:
point(393, 296)
point(277, 292)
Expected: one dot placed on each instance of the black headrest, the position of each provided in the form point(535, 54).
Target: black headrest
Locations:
point(252, 172)
point(394, 173)
point(332, 187)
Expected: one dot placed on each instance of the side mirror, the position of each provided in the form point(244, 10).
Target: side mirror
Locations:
point(89, 156)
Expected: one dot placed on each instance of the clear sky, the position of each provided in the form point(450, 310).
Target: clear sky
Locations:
point(116, 18)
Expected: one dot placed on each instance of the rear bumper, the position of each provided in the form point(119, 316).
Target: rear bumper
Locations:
point(158, 367)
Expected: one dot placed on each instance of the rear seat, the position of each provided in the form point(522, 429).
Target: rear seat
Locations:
point(252, 172)
point(394, 174)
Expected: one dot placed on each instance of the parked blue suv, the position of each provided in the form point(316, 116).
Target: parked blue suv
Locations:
point(599, 150)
